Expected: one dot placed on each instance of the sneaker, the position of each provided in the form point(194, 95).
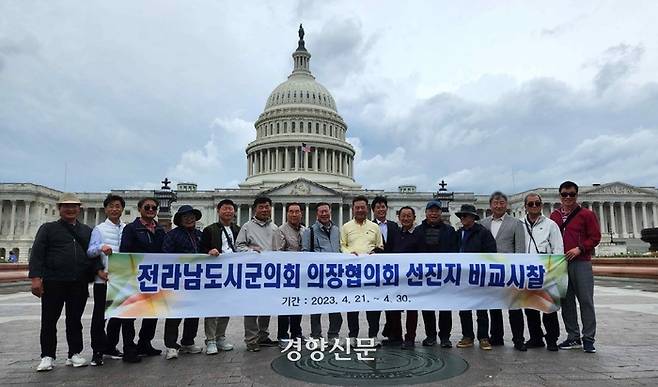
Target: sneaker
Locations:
point(190, 349)
point(534, 343)
point(97, 359)
point(267, 342)
point(148, 350)
point(570, 344)
point(113, 354)
point(283, 343)
point(485, 345)
point(47, 364)
point(465, 342)
point(588, 346)
point(131, 357)
point(76, 361)
point(172, 353)
point(446, 343)
point(520, 346)
point(211, 348)
point(429, 342)
point(224, 345)
point(408, 344)
point(551, 346)
point(253, 347)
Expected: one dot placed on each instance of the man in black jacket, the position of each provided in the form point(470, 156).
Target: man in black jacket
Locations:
point(216, 239)
point(60, 272)
point(143, 235)
point(434, 236)
point(472, 237)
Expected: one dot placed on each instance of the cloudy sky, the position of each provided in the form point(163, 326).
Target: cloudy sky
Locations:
point(486, 95)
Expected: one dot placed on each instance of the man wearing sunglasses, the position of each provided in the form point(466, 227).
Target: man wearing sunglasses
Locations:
point(143, 235)
point(542, 236)
point(581, 234)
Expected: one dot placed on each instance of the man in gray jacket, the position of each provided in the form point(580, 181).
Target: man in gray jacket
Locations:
point(510, 238)
point(323, 236)
point(256, 235)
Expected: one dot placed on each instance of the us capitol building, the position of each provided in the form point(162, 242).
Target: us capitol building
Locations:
point(300, 155)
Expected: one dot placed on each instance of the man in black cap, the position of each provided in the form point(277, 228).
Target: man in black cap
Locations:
point(472, 237)
point(434, 236)
point(185, 239)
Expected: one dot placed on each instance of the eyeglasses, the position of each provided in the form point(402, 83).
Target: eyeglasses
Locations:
point(569, 194)
point(534, 204)
point(150, 208)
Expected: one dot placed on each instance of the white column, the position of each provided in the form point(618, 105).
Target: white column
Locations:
point(306, 206)
point(602, 218)
point(645, 221)
point(340, 214)
point(636, 233)
point(655, 215)
point(306, 157)
point(261, 165)
point(249, 212)
point(268, 166)
point(27, 217)
point(2, 202)
point(97, 217)
point(272, 213)
point(248, 167)
point(239, 213)
point(324, 169)
point(350, 212)
point(276, 160)
point(317, 160)
point(334, 168)
point(613, 225)
point(12, 219)
point(624, 229)
point(84, 215)
point(283, 213)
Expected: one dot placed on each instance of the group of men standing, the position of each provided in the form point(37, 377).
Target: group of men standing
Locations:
point(68, 254)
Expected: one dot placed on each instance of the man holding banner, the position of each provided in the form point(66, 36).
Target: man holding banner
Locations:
point(256, 235)
point(184, 239)
point(361, 236)
point(219, 238)
point(472, 237)
point(323, 237)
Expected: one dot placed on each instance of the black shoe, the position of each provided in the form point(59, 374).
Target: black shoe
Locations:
point(571, 344)
point(429, 342)
point(148, 350)
point(552, 346)
point(520, 347)
point(131, 357)
point(97, 359)
point(496, 342)
point(113, 354)
point(535, 343)
point(588, 346)
point(445, 343)
point(267, 342)
point(408, 344)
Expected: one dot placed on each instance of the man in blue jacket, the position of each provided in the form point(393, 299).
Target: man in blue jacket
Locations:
point(143, 235)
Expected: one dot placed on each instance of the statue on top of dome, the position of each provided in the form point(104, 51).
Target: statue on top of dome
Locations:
point(301, 47)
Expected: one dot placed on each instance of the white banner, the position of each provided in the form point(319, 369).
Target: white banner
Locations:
point(282, 283)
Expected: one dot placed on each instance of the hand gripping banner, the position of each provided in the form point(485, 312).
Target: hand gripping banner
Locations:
point(284, 283)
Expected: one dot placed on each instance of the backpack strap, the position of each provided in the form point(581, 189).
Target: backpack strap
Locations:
point(572, 215)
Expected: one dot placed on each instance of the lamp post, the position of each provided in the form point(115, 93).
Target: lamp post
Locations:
point(445, 198)
point(165, 197)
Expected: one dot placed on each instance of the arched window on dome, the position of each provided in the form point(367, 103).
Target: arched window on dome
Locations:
point(293, 127)
point(307, 96)
point(288, 94)
point(324, 129)
point(317, 128)
point(271, 129)
point(285, 127)
point(308, 127)
point(314, 96)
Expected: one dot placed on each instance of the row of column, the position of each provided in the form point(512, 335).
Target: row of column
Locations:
point(608, 221)
point(293, 158)
point(11, 232)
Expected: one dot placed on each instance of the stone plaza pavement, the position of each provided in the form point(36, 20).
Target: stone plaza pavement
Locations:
point(627, 344)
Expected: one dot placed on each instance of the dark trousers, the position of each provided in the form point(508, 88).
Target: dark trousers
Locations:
point(190, 327)
point(103, 340)
point(551, 324)
point(466, 319)
point(393, 326)
point(56, 294)
point(411, 325)
point(515, 322)
point(445, 324)
point(294, 322)
point(335, 322)
point(373, 323)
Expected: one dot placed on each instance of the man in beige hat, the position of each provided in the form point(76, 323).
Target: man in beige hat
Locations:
point(63, 281)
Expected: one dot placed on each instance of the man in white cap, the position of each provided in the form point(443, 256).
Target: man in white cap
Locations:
point(60, 272)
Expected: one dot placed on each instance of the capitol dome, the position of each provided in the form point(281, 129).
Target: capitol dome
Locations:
point(300, 134)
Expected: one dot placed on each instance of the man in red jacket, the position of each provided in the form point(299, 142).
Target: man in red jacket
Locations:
point(581, 234)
